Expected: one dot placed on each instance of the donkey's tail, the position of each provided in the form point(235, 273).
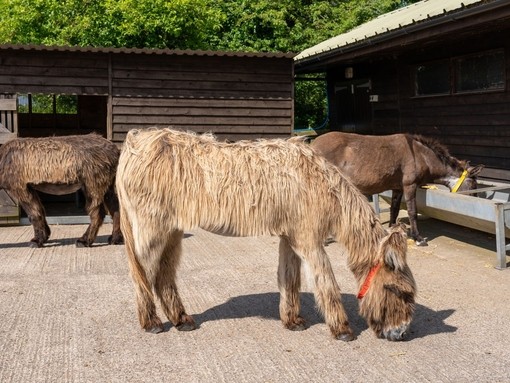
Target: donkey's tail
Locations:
point(137, 272)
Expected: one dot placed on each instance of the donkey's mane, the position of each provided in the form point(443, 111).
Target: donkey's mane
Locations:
point(439, 149)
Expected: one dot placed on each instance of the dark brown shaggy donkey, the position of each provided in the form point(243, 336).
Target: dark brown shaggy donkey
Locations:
point(171, 181)
point(399, 162)
point(62, 165)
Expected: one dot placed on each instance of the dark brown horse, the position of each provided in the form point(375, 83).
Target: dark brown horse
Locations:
point(62, 165)
point(399, 162)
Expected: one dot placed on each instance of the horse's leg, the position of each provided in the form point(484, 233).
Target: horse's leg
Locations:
point(289, 282)
point(31, 203)
point(143, 277)
point(412, 211)
point(396, 199)
point(112, 204)
point(327, 292)
point(96, 211)
point(166, 288)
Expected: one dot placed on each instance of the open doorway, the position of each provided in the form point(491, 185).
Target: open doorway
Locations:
point(46, 115)
point(353, 108)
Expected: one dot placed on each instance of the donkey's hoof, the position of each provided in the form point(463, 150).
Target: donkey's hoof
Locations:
point(82, 243)
point(298, 325)
point(115, 240)
point(187, 324)
point(421, 242)
point(347, 337)
point(34, 244)
point(155, 329)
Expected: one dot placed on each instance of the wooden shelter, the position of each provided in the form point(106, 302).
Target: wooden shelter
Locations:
point(233, 94)
point(437, 67)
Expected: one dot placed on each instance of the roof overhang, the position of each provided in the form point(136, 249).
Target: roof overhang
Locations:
point(142, 51)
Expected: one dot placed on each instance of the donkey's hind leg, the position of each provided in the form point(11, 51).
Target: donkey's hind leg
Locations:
point(289, 282)
point(112, 204)
point(96, 210)
point(166, 288)
point(327, 292)
point(31, 203)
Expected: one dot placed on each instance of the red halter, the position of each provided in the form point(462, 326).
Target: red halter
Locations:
point(365, 286)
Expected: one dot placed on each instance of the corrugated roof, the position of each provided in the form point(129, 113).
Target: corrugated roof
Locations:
point(399, 19)
point(147, 51)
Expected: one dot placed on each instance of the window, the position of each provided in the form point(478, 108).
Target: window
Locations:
point(433, 79)
point(47, 104)
point(483, 72)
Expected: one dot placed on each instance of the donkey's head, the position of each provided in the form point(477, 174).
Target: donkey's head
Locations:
point(467, 180)
point(388, 293)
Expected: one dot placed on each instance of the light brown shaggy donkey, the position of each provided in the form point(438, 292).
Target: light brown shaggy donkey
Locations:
point(170, 181)
point(62, 165)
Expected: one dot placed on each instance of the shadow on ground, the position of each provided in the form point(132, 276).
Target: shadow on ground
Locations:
point(426, 321)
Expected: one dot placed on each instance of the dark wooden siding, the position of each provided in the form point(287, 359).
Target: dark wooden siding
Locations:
point(53, 72)
point(231, 119)
point(236, 98)
point(233, 95)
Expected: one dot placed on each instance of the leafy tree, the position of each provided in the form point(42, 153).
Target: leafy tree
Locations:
point(176, 24)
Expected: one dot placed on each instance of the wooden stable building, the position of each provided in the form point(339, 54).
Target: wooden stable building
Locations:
point(46, 91)
point(439, 68)
point(232, 94)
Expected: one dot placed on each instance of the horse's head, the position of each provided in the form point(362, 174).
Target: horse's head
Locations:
point(468, 178)
point(387, 303)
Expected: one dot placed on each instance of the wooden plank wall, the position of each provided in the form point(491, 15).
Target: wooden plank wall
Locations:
point(233, 97)
point(53, 72)
point(244, 96)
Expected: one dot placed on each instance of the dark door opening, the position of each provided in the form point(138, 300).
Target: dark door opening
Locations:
point(354, 112)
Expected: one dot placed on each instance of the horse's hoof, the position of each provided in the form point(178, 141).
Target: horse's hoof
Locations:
point(155, 329)
point(347, 337)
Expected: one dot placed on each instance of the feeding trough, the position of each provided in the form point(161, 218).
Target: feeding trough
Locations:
point(486, 208)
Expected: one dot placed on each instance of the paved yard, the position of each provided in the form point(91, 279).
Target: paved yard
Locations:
point(68, 315)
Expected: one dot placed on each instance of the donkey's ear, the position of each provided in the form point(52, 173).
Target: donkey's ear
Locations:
point(474, 170)
point(394, 248)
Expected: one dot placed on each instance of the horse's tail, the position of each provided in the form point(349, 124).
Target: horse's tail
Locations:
point(137, 272)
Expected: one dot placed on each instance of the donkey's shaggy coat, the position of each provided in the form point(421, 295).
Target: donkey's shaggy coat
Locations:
point(170, 181)
point(62, 165)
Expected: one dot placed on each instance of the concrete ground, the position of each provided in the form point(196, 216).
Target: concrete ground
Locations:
point(68, 315)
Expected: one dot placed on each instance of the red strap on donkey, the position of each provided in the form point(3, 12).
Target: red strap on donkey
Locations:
point(366, 285)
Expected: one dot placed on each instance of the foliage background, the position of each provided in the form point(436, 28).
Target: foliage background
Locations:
point(232, 25)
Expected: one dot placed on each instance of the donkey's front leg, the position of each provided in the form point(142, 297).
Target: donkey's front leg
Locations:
point(30, 202)
point(396, 199)
point(289, 282)
point(412, 211)
point(327, 292)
